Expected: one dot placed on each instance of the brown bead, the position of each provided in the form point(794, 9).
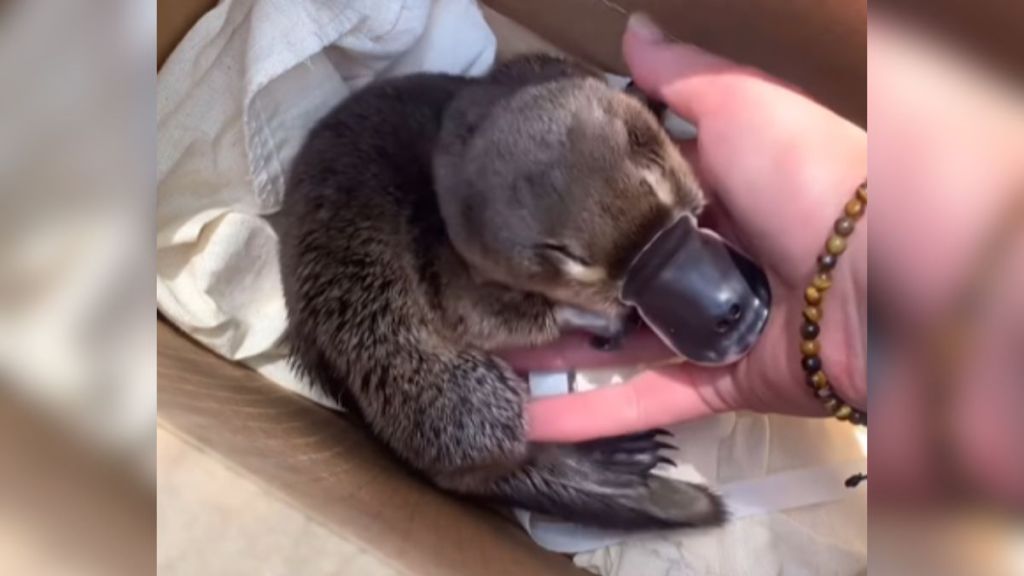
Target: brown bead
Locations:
point(835, 245)
point(811, 364)
point(844, 412)
point(832, 404)
point(854, 208)
point(824, 393)
point(810, 330)
point(812, 295)
point(810, 347)
point(827, 262)
point(858, 417)
point(822, 281)
point(812, 314)
point(862, 193)
point(819, 380)
point(844, 226)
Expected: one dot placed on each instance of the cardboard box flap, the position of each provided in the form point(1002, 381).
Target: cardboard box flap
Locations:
point(333, 471)
point(173, 21)
point(818, 46)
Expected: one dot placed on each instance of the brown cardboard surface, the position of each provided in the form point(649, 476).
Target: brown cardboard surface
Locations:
point(332, 471)
point(818, 45)
point(173, 20)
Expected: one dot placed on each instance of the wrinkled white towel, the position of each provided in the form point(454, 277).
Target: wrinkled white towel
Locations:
point(234, 102)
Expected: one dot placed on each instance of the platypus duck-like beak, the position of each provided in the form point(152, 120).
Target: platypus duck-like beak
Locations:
point(703, 297)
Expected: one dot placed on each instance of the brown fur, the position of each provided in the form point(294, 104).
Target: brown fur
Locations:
point(431, 218)
point(553, 179)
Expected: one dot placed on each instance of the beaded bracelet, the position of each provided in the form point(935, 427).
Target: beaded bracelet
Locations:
point(810, 347)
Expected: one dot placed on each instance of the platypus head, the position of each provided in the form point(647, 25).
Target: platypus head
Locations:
point(559, 188)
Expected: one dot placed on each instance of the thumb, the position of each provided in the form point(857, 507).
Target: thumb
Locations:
point(684, 76)
point(653, 399)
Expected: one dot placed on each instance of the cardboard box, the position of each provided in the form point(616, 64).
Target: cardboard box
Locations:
point(332, 471)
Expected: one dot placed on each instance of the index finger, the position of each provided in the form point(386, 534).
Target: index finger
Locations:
point(683, 75)
point(653, 399)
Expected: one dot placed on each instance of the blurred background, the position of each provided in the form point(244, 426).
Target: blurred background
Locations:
point(77, 338)
point(946, 163)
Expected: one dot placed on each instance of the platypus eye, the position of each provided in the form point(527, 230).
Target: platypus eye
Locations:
point(565, 252)
point(571, 263)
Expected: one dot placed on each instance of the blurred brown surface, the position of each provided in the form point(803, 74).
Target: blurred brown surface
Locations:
point(991, 29)
point(66, 507)
point(818, 45)
point(329, 469)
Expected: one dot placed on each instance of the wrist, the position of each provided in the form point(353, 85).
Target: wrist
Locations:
point(847, 358)
point(844, 323)
point(834, 345)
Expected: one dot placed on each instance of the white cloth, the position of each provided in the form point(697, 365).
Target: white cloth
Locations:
point(234, 102)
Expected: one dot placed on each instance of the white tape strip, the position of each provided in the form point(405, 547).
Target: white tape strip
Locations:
point(791, 489)
point(549, 383)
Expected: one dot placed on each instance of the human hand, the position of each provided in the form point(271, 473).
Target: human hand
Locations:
point(779, 168)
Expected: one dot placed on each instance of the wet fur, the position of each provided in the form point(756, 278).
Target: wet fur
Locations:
point(386, 315)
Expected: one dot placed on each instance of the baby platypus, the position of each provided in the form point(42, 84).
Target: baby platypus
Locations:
point(432, 218)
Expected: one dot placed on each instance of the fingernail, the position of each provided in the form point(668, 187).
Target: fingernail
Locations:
point(644, 27)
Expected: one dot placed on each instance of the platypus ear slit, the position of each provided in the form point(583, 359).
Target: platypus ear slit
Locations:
point(644, 142)
point(655, 106)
